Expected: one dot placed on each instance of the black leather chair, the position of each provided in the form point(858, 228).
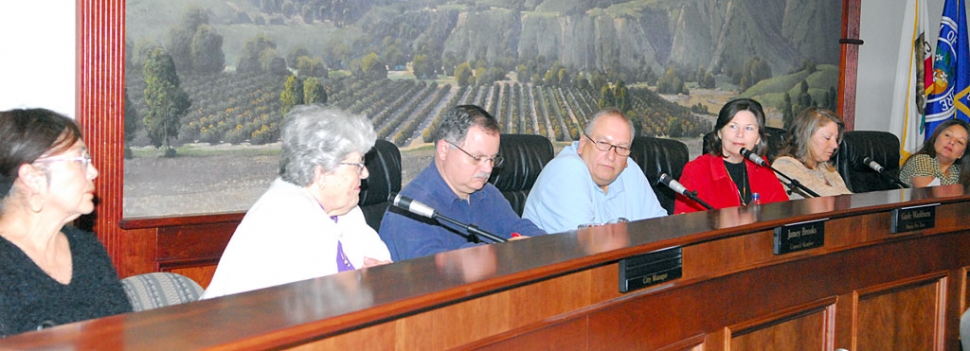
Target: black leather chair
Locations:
point(384, 165)
point(525, 155)
point(882, 147)
point(656, 156)
point(776, 138)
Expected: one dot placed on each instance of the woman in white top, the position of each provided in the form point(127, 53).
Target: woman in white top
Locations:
point(307, 224)
point(813, 138)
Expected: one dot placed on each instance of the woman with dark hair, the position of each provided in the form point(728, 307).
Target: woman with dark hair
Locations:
point(940, 160)
point(724, 177)
point(50, 273)
point(814, 136)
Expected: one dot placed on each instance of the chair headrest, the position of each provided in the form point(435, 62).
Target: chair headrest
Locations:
point(525, 155)
point(384, 165)
point(659, 155)
point(656, 156)
point(882, 147)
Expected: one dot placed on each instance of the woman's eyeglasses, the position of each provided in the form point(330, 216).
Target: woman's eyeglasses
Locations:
point(84, 160)
point(360, 166)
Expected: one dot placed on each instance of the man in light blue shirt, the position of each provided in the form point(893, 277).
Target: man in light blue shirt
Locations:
point(593, 180)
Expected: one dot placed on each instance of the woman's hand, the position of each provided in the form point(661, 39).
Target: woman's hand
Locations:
point(921, 181)
point(370, 262)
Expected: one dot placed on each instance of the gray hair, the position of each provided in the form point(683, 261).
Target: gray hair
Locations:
point(455, 122)
point(314, 135)
point(609, 111)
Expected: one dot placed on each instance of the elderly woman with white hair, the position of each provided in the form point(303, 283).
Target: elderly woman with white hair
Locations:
point(307, 224)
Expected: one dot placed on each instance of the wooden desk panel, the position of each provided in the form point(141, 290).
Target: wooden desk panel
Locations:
point(561, 290)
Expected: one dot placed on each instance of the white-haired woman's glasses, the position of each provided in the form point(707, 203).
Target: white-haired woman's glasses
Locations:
point(84, 160)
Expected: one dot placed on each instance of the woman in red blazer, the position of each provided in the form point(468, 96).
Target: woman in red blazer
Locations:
point(723, 177)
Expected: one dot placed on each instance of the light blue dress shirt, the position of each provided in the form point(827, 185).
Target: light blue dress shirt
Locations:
point(565, 196)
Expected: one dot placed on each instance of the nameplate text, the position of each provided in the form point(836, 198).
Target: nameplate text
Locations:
point(648, 269)
point(908, 219)
point(799, 236)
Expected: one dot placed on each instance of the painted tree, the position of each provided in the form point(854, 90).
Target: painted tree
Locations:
point(131, 124)
point(296, 52)
point(372, 67)
point(292, 94)
point(180, 36)
point(166, 100)
point(206, 50)
point(249, 59)
point(313, 92)
point(463, 74)
point(621, 96)
point(131, 118)
point(308, 66)
point(423, 67)
point(786, 111)
point(606, 98)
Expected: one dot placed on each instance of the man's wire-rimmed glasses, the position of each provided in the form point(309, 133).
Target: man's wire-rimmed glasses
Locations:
point(495, 160)
point(604, 146)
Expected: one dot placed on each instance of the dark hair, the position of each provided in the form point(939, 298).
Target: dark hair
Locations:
point(727, 114)
point(929, 149)
point(800, 133)
point(29, 134)
point(455, 122)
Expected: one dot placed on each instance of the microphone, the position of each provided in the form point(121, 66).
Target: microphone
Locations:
point(754, 157)
point(423, 210)
point(792, 183)
point(674, 185)
point(868, 161)
point(412, 205)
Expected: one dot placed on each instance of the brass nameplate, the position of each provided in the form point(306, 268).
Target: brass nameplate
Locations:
point(644, 270)
point(908, 219)
point(799, 236)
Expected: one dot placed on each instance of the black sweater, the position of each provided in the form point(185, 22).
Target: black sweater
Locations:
point(29, 298)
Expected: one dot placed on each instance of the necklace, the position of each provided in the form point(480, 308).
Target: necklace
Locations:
point(741, 183)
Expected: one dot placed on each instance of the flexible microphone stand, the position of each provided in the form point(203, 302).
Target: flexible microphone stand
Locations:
point(895, 181)
point(875, 166)
point(681, 189)
point(472, 229)
point(792, 183)
point(418, 208)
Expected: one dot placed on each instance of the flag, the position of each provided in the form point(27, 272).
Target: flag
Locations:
point(951, 69)
point(913, 77)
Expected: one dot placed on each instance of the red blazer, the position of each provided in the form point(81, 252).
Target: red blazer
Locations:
point(707, 175)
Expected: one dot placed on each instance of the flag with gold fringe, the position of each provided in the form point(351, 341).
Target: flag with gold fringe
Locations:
point(948, 96)
point(913, 70)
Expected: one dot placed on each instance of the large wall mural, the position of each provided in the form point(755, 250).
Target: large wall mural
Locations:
point(208, 81)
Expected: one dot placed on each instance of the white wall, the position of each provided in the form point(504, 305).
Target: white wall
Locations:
point(880, 28)
point(37, 66)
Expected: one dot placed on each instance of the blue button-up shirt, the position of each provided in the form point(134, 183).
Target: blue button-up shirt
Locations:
point(565, 195)
point(408, 235)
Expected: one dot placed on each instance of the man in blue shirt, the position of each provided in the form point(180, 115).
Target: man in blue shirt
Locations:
point(593, 181)
point(456, 185)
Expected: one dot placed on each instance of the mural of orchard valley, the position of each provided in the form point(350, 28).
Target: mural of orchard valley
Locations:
point(209, 81)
